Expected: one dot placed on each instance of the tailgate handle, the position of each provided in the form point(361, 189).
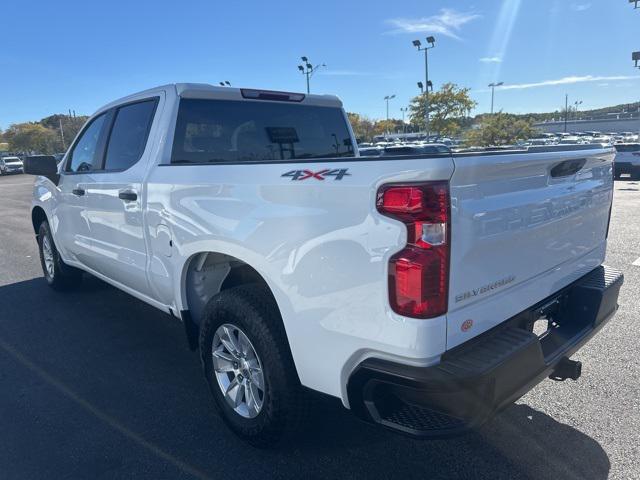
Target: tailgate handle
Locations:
point(568, 167)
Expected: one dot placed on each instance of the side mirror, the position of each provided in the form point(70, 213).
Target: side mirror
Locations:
point(43, 165)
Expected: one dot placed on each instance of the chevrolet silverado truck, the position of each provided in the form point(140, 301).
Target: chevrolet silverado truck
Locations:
point(426, 292)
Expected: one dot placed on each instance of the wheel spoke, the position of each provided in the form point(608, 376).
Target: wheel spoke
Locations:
point(228, 340)
point(256, 377)
point(223, 362)
point(235, 392)
point(252, 399)
point(243, 344)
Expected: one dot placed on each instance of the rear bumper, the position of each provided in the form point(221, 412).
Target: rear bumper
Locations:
point(480, 377)
point(626, 167)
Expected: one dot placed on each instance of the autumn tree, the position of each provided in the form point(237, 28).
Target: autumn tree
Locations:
point(365, 129)
point(362, 126)
point(500, 129)
point(448, 107)
point(32, 137)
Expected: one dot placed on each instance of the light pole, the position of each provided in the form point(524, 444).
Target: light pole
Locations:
point(577, 105)
point(493, 92)
point(566, 111)
point(386, 99)
point(308, 70)
point(416, 43)
point(404, 125)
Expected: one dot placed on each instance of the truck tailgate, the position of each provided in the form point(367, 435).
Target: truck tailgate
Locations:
point(524, 225)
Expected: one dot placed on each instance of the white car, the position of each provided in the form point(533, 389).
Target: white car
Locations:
point(408, 288)
point(10, 165)
point(627, 160)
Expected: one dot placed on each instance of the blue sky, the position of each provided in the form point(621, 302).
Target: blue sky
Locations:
point(80, 54)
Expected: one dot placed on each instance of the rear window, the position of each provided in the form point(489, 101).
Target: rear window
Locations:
point(219, 131)
point(628, 148)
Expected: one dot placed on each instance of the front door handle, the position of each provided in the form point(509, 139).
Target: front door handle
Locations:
point(128, 196)
point(78, 191)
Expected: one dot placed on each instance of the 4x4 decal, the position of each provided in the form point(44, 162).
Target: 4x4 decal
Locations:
point(299, 175)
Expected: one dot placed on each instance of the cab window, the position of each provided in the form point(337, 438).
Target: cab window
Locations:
point(85, 155)
point(129, 135)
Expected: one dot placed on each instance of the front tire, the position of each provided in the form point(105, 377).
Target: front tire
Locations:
point(248, 366)
point(58, 274)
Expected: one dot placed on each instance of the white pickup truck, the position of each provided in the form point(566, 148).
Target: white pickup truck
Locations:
point(408, 286)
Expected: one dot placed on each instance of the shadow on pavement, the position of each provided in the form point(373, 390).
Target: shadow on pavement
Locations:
point(97, 384)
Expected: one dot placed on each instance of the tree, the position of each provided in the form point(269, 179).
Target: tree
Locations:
point(448, 108)
point(365, 129)
point(500, 129)
point(392, 125)
point(362, 126)
point(32, 137)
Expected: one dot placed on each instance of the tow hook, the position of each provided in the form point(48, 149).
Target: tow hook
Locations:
point(566, 369)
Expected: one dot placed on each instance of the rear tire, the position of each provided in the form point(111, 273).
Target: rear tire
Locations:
point(58, 274)
point(250, 311)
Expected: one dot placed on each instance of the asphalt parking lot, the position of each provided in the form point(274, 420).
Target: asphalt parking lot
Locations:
point(95, 384)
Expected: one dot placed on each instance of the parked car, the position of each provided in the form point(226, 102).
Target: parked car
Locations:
point(10, 165)
point(540, 141)
point(572, 141)
point(407, 288)
point(416, 149)
point(627, 160)
point(370, 151)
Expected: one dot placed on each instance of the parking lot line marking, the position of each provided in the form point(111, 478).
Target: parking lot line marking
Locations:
point(636, 263)
point(109, 420)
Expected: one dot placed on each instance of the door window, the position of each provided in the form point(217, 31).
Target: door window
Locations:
point(129, 135)
point(85, 155)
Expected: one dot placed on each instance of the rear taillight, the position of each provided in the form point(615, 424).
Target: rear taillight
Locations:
point(419, 274)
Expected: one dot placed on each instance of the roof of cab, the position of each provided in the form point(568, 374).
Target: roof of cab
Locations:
point(207, 91)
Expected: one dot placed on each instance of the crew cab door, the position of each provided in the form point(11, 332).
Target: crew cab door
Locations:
point(114, 197)
point(70, 225)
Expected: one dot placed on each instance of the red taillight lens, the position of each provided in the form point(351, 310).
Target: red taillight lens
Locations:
point(419, 274)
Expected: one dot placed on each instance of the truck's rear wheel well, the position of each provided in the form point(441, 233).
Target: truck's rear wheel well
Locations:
point(37, 217)
point(207, 274)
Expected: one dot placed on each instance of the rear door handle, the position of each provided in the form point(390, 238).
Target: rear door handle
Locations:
point(78, 191)
point(128, 196)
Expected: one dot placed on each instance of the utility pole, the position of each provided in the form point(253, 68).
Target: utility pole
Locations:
point(64, 146)
point(308, 70)
point(416, 43)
